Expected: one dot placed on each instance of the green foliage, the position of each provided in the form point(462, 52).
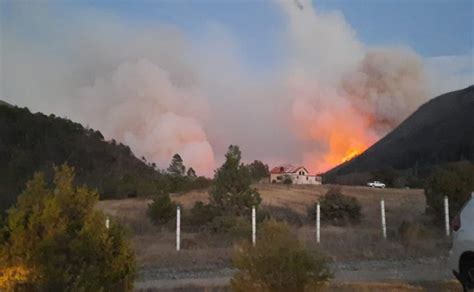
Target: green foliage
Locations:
point(191, 174)
point(35, 142)
point(235, 226)
point(58, 238)
point(199, 216)
point(337, 208)
point(258, 170)
point(287, 180)
point(161, 210)
point(455, 180)
point(231, 191)
point(177, 167)
point(278, 262)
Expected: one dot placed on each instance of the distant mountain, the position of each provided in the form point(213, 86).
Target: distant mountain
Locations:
point(35, 142)
point(440, 131)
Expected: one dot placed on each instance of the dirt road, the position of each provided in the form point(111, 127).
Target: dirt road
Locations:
point(423, 270)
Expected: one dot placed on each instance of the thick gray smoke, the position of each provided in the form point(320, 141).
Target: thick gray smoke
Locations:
point(388, 85)
point(151, 87)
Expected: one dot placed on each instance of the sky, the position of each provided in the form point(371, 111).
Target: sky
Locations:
point(430, 27)
point(275, 77)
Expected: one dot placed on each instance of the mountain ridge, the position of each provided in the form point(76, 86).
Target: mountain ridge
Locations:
point(439, 131)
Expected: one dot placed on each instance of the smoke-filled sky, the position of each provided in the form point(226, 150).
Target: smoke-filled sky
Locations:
point(294, 81)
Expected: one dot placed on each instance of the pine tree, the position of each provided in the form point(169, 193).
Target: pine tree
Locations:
point(176, 166)
point(191, 174)
point(57, 240)
point(231, 191)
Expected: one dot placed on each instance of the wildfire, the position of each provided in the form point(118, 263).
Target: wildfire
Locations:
point(345, 135)
point(339, 131)
point(351, 154)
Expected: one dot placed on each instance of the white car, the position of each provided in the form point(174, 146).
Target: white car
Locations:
point(461, 258)
point(376, 184)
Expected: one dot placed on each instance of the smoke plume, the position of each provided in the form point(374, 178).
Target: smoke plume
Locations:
point(152, 87)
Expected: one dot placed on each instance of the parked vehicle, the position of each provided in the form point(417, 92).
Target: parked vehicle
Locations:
point(462, 253)
point(376, 184)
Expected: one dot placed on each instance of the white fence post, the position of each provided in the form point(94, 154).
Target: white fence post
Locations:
point(178, 228)
point(318, 223)
point(446, 214)
point(107, 222)
point(384, 227)
point(254, 237)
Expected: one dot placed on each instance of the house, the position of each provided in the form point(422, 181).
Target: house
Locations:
point(299, 175)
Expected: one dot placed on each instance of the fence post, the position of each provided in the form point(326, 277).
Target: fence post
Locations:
point(178, 228)
point(446, 214)
point(107, 222)
point(254, 237)
point(382, 210)
point(318, 223)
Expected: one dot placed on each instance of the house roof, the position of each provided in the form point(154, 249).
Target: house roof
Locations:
point(287, 169)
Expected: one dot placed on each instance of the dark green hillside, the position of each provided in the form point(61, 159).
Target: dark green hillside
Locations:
point(35, 142)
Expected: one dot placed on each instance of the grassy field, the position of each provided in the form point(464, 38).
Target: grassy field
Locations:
point(156, 245)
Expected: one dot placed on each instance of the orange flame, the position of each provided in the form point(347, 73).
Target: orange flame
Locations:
point(352, 154)
point(342, 132)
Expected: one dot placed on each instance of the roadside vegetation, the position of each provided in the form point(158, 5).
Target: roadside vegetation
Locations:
point(455, 180)
point(55, 240)
point(337, 208)
point(278, 262)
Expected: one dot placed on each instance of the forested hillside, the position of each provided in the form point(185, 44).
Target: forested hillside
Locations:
point(36, 142)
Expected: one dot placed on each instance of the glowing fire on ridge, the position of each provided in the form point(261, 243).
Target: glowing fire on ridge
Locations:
point(352, 154)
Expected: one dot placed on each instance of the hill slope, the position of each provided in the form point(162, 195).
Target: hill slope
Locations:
point(35, 142)
point(440, 131)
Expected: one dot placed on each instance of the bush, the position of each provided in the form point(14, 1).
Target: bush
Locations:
point(287, 180)
point(278, 262)
point(161, 210)
point(454, 180)
point(57, 241)
point(200, 216)
point(337, 208)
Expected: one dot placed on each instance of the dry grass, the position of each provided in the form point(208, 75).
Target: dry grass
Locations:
point(156, 245)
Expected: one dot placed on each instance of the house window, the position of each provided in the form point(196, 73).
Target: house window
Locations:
point(307, 178)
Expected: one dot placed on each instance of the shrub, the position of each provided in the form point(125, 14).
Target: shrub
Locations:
point(199, 216)
point(454, 180)
point(287, 180)
point(278, 262)
point(57, 241)
point(161, 210)
point(337, 208)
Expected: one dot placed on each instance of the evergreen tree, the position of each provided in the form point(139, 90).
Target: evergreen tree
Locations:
point(258, 170)
point(231, 190)
point(191, 173)
point(177, 167)
point(56, 240)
